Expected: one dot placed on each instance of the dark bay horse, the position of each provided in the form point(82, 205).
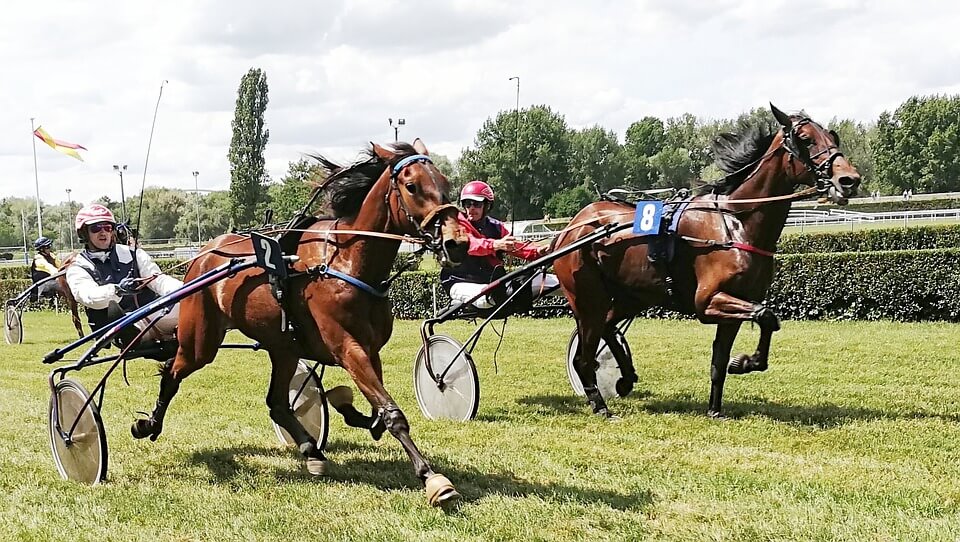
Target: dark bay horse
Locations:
point(336, 321)
point(722, 263)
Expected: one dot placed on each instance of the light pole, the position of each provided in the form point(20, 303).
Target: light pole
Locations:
point(196, 188)
point(69, 214)
point(123, 197)
point(516, 159)
point(396, 129)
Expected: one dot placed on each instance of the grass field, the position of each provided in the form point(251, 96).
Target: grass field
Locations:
point(853, 434)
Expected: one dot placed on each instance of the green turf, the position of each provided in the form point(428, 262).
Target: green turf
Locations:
point(851, 435)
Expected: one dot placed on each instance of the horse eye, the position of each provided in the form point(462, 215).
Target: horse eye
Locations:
point(411, 187)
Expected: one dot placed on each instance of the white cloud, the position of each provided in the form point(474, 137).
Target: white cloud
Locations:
point(90, 71)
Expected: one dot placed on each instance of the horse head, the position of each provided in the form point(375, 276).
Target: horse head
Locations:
point(818, 150)
point(419, 202)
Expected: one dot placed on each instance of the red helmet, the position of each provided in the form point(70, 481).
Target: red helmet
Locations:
point(91, 214)
point(477, 191)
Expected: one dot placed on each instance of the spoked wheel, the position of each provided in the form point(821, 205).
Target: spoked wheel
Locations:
point(309, 406)
point(458, 396)
point(608, 371)
point(82, 455)
point(12, 325)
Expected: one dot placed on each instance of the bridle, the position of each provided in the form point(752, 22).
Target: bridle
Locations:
point(433, 240)
point(822, 171)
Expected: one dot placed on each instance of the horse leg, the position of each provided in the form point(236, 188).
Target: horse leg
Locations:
point(628, 375)
point(586, 364)
point(341, 399)
point(153, 426)
point(284, 365)
point(362, 368)
point(725, 308)
point(769, 323)
point(71, 304)
point(199, 341)
point(722, 344)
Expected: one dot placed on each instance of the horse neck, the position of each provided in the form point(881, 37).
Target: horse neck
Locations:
point(763, 222)
point(370, 258)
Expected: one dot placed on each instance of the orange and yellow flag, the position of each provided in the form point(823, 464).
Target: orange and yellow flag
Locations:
point(70, 149)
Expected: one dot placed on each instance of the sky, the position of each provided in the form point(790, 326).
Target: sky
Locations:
point(90, 72)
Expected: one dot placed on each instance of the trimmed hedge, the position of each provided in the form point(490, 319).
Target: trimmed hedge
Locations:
point(909, 205)
point(910, 285)
point(895, 285)
point(913, 238)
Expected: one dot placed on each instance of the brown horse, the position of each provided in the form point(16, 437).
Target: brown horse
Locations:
point(335, 321)
point(722, 252)
point(64, 291)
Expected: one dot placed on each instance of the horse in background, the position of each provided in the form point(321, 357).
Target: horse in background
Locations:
point(722, 251)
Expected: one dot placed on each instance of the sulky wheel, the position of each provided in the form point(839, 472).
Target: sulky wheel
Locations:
point(80, 454)
point(309, 406)
point(458, 396)
point(608, 371)
point(12, 325)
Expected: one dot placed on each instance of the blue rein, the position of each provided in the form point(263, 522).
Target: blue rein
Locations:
point(324, 270)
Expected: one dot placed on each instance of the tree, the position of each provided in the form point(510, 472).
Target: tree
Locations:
point(596, 160)
point(857, 141)
point(291, 193)
point(569, 201)
point(214, 217)
point(162, 210)
point(644, 139)
point(522, 184)
point(916, 146)
point(247, 172)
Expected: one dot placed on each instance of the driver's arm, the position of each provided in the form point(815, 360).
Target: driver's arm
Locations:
point(87, 291)
point(163, 284)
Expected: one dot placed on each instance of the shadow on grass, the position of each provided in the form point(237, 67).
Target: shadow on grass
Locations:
point(823, 415)
point(226, 465)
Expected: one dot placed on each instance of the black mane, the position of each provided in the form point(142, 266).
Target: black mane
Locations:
point(734, 152)
point(349, 185)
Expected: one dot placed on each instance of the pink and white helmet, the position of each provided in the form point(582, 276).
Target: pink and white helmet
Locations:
point(477, 191)
point(91, 214)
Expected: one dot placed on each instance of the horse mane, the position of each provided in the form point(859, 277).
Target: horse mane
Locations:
point(348, 185)
point(734, 152)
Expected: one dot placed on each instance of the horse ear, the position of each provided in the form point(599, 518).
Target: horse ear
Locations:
point(420, 147)
point(383, 153)
point(781, 117)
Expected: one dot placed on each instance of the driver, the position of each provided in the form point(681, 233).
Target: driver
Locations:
point(44, 265)
point(489, 241)
point(110, 279)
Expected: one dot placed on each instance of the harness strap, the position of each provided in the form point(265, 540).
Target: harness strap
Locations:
point(323, 270)
point(728, 244)
point(430, 216)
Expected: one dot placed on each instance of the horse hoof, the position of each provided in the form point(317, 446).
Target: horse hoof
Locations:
point(613, 418)
point(317, 466)
point(625, 386)
point(738, 364)
point(715, 414)
point(339, 397)
point(377, 430)
point(440, 491)
point(144, 428)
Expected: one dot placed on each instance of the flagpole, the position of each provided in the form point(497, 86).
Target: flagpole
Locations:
point(36, 179)
point(23, 227)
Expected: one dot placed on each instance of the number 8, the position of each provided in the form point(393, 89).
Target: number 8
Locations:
point(646, 219)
